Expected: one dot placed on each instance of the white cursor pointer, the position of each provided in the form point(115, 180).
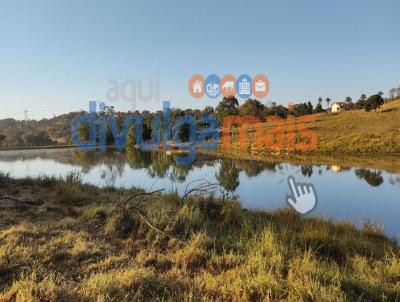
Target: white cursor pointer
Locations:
point(303, 198)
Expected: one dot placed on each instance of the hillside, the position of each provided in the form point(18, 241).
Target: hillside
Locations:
point(350, 132)
point(358, 131)
point(344, 133)
point(29, 133)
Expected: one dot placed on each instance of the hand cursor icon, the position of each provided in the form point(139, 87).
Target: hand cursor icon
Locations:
point(303, 198)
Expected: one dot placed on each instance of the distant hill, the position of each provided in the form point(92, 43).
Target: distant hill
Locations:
point(349, 132)
point(45, 132)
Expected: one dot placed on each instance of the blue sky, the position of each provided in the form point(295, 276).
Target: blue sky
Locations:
point(56, 55)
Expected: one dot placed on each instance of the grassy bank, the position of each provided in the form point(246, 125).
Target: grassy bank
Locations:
point(64, 241)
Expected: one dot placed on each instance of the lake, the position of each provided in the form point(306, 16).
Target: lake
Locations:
point(354, 190)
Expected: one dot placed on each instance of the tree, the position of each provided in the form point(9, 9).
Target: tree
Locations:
point(228, 106)
point(373, 102)
point(84, 132)
point(278, 110)
point(318, 108)
point(310, 108)
point(302, 109)
point(360, 104)
point(208, 110)
point(348, 99)
point(328, 100)
point(109, 110)
point(392, 93)
point(40, 139)
point(380, 93)
point(253, 108)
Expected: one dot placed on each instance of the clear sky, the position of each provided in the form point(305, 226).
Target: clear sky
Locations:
point(56, 55)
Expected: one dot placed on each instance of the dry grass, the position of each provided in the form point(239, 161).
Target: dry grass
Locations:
point(352, 132)
point(215, 251)
point(358, 131)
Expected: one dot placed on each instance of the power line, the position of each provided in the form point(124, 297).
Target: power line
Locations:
point(43, 110)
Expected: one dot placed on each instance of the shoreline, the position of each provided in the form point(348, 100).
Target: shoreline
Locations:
point(388, 162)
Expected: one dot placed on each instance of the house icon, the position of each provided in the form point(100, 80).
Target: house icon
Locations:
point(197, 86)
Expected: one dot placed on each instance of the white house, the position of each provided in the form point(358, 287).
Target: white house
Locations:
point(339, 106)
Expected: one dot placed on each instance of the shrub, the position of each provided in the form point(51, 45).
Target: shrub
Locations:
point(122, 224)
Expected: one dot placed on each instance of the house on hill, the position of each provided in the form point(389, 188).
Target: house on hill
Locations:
point(340, 106)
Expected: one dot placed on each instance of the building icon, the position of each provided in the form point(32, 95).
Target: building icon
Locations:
point(244, 87)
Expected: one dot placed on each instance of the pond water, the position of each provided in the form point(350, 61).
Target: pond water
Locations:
point(344, 192)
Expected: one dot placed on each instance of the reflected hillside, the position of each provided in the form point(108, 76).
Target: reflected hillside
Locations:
point(113, 164)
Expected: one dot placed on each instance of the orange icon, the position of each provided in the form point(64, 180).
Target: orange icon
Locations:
point(196, 86)
point(228, 85)
point(260, 86)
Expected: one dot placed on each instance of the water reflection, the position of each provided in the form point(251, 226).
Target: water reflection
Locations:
point(228, 175)
point(351, 189)
point(306, 170)
point(373, 178)
point(159, 165)
point(394, 180)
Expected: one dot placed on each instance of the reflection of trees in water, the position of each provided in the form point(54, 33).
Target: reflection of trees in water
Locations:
point(228, 176)
point(86, 159)
point(112, 159)
point(394, 180)
point(373, 178)
point(306, 170)
point(254, 168)
point(157, 164)
point(160, 164)
point(114, 162)
point(138, 159)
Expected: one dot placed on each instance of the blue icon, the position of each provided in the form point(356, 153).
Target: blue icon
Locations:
point(92, 106)
point(213, 86)
point(243, 86)
point(102, 106)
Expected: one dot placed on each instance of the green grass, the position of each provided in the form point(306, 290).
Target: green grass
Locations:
point(86, 248)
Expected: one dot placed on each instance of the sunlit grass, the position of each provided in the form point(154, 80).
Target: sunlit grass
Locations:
point(211, 250)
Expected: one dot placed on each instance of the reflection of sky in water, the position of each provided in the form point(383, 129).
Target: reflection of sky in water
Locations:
point(341, 195)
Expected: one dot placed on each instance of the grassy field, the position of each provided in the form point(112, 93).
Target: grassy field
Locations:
point(354, 132)
point(64, 241)
point(357, 131)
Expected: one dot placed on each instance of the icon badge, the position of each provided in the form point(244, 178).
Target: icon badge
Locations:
point(244, 86)
point(260, 86)
point(228, 85)
point(196, 86)
point(212, 85)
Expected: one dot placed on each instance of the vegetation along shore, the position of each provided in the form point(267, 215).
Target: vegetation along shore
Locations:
point(62, 240)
